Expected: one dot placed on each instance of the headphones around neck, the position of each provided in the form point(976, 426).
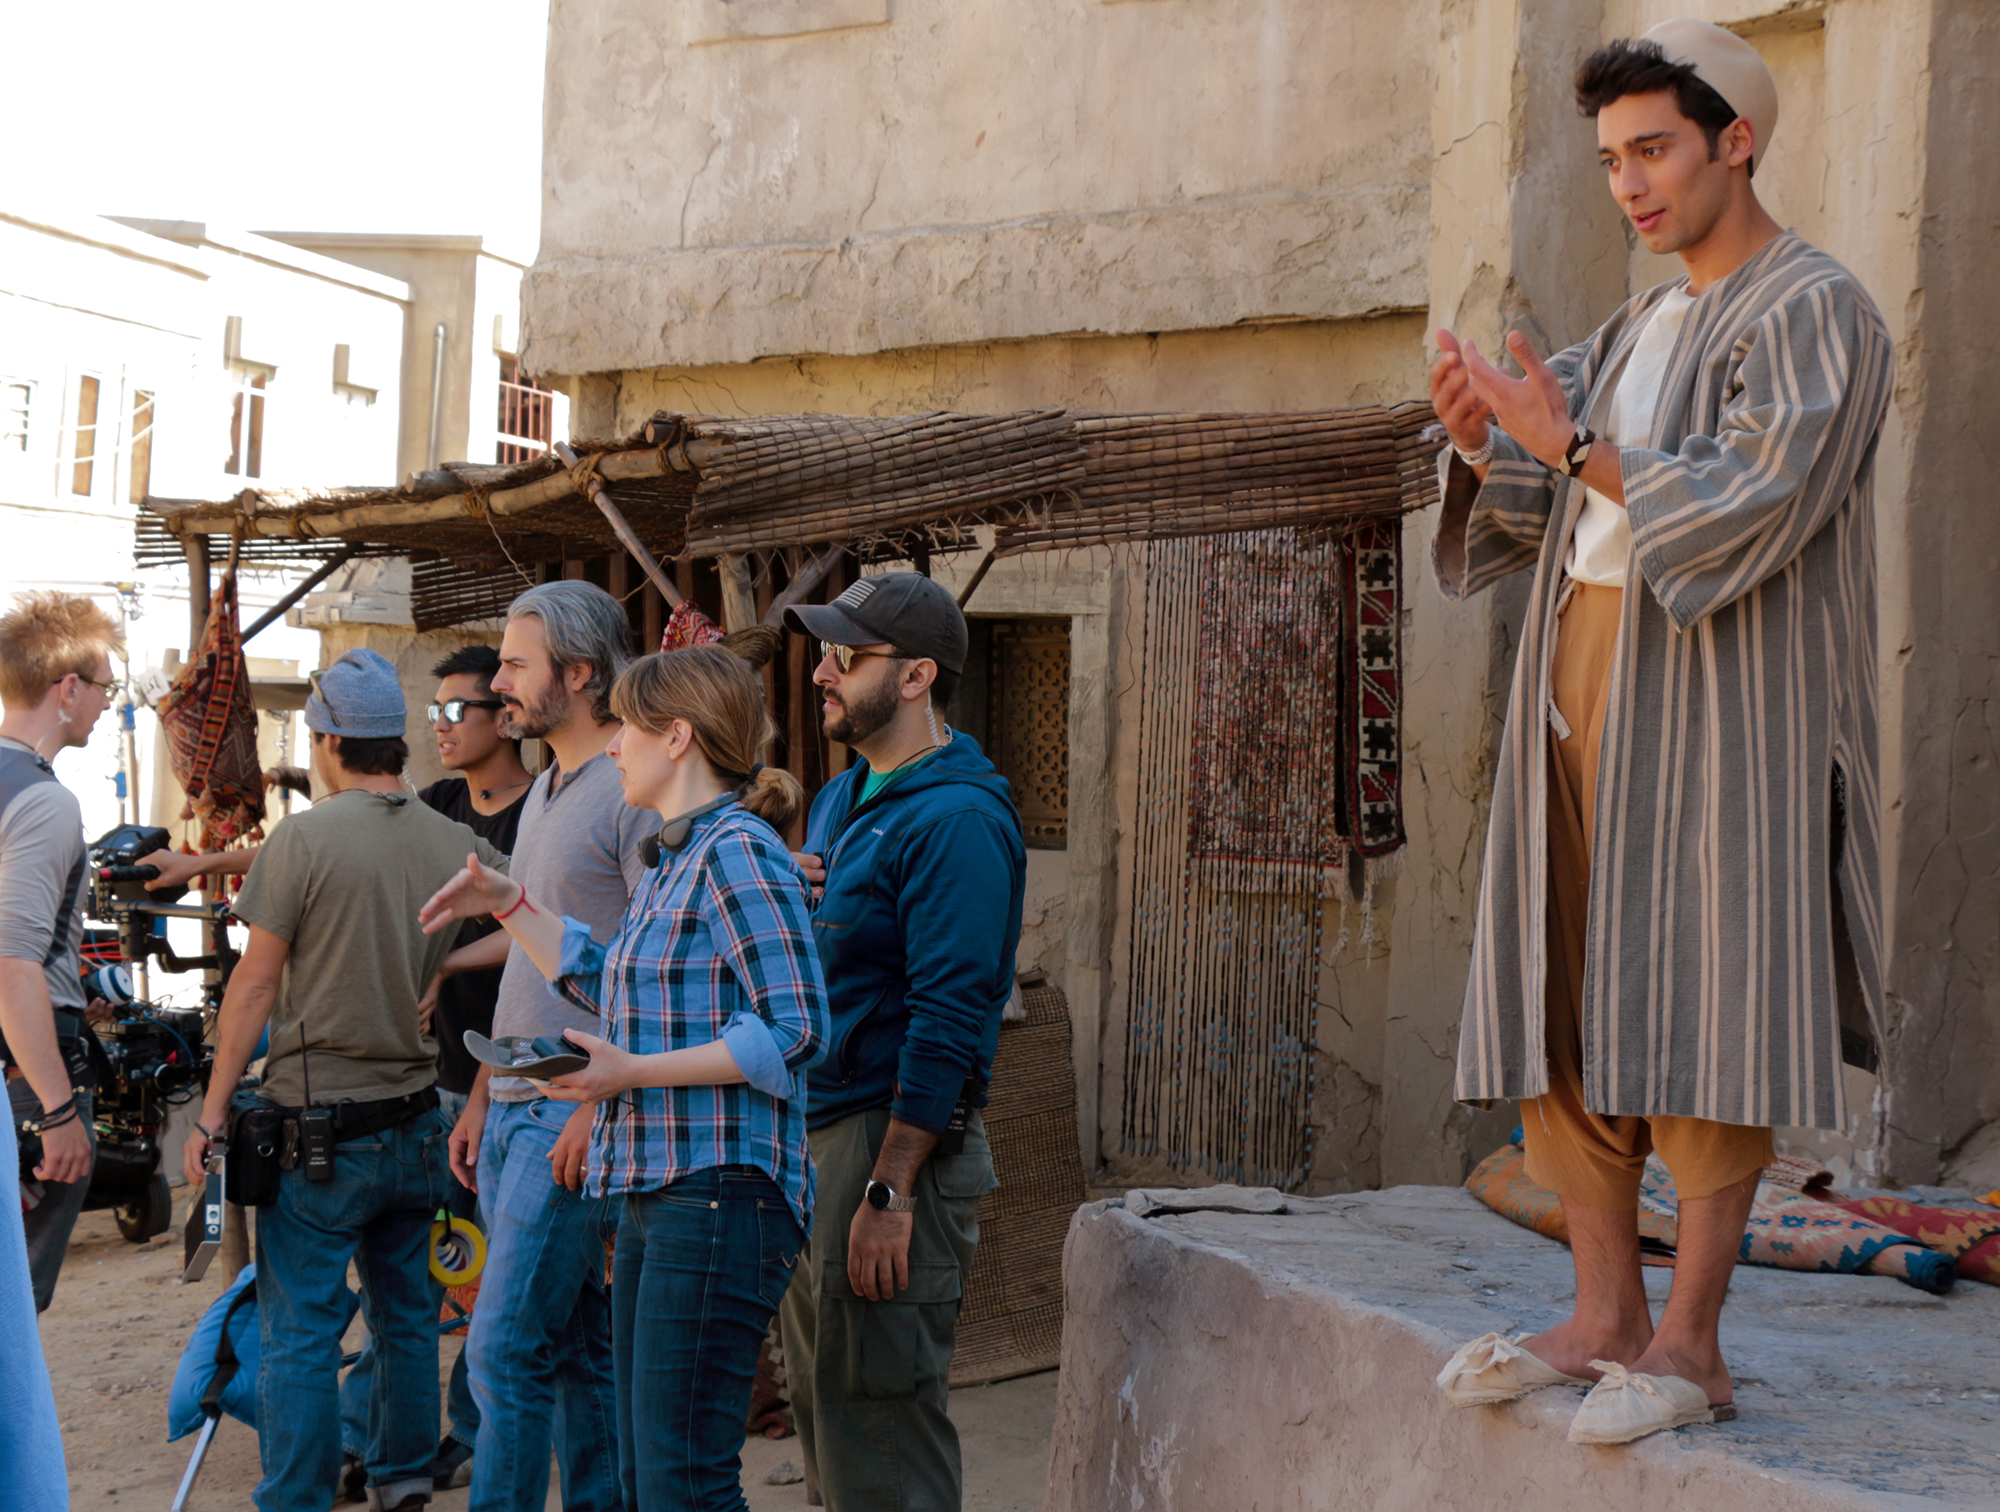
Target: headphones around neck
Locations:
point(672, 835)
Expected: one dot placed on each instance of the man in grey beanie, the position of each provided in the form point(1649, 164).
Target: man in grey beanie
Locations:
point(335, 966)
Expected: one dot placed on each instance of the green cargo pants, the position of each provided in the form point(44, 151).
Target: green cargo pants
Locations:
point(869, 1379)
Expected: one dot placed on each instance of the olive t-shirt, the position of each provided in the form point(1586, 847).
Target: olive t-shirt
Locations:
point(343, 882)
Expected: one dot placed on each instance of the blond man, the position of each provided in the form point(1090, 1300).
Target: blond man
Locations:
point(55, 680)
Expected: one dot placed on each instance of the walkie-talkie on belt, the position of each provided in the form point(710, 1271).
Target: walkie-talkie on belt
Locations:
point(315, 1127)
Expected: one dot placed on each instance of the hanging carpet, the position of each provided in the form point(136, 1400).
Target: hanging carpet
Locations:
point(1269, 669)
point(211, 729)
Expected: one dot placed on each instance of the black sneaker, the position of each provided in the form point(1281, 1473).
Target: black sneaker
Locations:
point(453, 1465)
point(353, 1478)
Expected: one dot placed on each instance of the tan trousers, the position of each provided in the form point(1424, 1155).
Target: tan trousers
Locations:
point(1583, 1156)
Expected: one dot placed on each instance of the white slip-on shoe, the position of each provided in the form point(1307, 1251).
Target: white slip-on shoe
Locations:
point(1626, 1405)
point(1495, 1369)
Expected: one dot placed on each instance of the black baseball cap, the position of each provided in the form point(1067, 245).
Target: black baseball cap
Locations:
point(902, 609)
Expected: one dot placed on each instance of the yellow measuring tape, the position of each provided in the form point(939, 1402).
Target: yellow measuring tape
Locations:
point(458, 1251)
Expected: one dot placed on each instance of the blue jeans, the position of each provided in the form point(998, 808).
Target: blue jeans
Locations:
point(458, 1404)
point(541, 1332)
point(702, 1266)
point(31, 1445)
point(52, 1220)
point(377, 1210)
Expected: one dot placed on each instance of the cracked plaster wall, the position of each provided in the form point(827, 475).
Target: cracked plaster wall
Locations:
point(745, 227)
point(970, 170)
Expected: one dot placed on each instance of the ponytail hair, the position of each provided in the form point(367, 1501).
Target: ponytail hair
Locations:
point(719, 695)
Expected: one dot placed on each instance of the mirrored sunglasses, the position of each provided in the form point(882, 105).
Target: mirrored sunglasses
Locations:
point(454, 710)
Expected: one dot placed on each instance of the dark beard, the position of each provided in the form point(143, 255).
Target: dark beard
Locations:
point(531, 721)
point(863, 717)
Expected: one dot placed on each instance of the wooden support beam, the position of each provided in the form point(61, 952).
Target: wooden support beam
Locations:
point(613, 467)
point(739, 598)
point(978, 575)
point(808, 578)
point(601, 497)
point(196, 547)
point(276, 611)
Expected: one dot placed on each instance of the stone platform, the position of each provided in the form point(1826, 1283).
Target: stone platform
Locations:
point(1285, 1361)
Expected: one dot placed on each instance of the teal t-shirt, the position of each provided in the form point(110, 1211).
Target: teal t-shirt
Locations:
point(875, 781)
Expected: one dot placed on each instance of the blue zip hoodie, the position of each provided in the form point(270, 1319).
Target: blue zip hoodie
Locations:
point(916, 934)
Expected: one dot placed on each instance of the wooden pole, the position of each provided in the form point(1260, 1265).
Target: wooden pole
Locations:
point(808, 578)
point(196, 547)
point(272, 614)
point(978, 576)
point(739, 598)
point(594, 486)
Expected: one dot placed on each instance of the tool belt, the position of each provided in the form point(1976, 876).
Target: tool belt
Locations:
point(264, 1139)
point(83, 1057)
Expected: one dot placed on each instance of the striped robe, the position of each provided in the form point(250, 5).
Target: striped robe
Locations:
point(1738, 768)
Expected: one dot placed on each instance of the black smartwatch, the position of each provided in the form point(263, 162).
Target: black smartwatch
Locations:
point(882, 1197)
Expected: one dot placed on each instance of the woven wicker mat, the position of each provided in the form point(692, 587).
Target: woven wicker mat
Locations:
point(1011, 1320)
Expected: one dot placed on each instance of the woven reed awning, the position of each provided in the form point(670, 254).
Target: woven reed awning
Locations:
point(705, 486)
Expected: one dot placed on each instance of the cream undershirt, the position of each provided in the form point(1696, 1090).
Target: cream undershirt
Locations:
point(1602, 544)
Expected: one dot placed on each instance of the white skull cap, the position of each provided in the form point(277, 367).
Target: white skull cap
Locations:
point(1729, 66)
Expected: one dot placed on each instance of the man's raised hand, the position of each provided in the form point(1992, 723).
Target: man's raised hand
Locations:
point(475, 891)
point(1459, 409)
point(1533, 408)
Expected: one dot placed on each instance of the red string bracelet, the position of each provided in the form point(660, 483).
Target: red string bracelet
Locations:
point(501, 918)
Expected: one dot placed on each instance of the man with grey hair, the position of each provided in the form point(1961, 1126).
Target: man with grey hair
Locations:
point(540, 1345)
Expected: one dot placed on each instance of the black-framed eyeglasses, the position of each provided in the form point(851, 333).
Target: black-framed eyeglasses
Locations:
point(454, 709)
point(108, 689)
point(844, 657)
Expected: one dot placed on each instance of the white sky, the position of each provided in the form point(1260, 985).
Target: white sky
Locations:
point(418, 116)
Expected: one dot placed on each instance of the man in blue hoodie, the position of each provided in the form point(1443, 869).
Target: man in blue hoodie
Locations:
point(918, 849)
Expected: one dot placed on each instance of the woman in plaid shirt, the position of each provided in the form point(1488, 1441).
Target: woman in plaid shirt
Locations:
point(714, 1009)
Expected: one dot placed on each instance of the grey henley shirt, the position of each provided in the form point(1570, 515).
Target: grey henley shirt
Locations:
point(577, 853)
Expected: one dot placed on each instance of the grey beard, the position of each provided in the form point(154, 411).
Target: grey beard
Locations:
point(534, 720)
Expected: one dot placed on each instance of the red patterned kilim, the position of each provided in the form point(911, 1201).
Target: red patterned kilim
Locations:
point(1299, 699)
point(211, 730)
point(1266, 766)
point(688, 626)
point(1970, 1236)
point(1371, 715)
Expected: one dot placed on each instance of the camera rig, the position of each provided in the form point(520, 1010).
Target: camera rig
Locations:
point(149, 1059)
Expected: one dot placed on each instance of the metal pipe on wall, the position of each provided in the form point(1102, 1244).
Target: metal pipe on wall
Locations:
point(437, 396)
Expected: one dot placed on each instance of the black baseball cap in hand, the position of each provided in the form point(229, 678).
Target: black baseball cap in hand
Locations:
point(903, 609)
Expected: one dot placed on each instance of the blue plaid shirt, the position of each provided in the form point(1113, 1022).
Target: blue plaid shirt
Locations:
point(716, 944)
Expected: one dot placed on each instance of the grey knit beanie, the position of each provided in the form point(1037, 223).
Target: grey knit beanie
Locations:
point(358, 697)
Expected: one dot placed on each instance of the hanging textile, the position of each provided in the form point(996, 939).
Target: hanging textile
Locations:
point(211, 729)
point(1269, 689)
point(688, 626)
point(1371, 714)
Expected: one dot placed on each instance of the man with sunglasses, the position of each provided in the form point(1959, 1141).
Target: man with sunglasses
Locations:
point(919, 850)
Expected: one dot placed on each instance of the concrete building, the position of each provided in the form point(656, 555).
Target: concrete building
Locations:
point(467, 397)
point(180, 361)
point(849, 206)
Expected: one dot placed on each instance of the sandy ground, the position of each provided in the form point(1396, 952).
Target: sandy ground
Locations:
point(121, 1316)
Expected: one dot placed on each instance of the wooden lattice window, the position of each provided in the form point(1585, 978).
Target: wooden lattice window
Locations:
point(1027, 722)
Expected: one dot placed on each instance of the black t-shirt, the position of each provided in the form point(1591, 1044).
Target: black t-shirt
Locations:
point(466, 1000)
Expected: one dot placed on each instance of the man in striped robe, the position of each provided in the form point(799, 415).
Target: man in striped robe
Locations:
point(1684, 828)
